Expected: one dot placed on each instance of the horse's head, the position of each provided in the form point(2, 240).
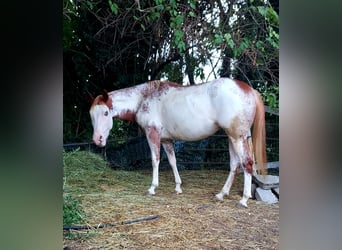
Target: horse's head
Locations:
point(101, 118)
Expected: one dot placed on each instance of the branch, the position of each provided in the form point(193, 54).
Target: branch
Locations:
point(163, 64)
point(111, 225)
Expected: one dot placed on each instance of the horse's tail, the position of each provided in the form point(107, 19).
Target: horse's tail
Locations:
point(259, 135)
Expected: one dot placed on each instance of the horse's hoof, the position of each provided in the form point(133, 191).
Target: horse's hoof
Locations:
point(178, 192)
point(241, 205)
point(219, 196)
point(147, 193)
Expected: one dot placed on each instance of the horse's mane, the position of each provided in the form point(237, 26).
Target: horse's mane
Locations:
point(157, 85)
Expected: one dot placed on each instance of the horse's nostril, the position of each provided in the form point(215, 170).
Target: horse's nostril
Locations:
point(100, 137)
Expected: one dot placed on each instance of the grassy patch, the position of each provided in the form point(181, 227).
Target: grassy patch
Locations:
point(89, 180)
point(72, 211)
point(86, 172)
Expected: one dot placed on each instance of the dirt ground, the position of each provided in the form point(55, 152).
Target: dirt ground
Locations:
point(191, 220)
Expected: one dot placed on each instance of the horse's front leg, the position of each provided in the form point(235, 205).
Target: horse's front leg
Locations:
point(170, 152)
point(153, 138)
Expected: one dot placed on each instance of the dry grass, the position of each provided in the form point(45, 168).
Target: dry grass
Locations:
point(192, 220)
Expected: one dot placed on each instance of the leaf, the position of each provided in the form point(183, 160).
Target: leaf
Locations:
point(114, 7)
point(143, 27)
point(155, 15)
point(90, 4)
point(271, 100)
point(262, 10)
point(176, 22)
point(173, 4)
point(192, 5)
point(181, 46)
point(192, 14)
point(244, 44)
point(273, 16)
point(158, 2)
point(178, 35)
point(218, 38)
point(259, 44)
point(229, 40)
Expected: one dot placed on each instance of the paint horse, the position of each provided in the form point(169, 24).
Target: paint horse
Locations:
point(167, 111)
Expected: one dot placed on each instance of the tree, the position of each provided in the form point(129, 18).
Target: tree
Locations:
point(115, 44)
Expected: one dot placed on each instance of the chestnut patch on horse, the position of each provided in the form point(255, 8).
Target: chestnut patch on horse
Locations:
point(103, 100)
point(157, 88)
point(248, 165)
point(127, 115)
point(154, 137)
point(153, 134)
point(244, 86)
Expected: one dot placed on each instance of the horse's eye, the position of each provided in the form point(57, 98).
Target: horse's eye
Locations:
point(106, 113)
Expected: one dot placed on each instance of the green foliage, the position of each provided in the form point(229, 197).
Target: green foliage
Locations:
point(270, 94)
point(113, 7)
point(119, 132)
point(218, 38)
point(193, 4)
point(269, 13)
point(243, 46)
point(83, 171)
point(229, 40)
point(69, 23)
point(199, 72)
point(265, 16)
point(191, 14)
point(173, 71)
point(116, 44)
point(273, 38)
point(176, 22)
point(272, 20)
point(72, 211)
point(72, 208)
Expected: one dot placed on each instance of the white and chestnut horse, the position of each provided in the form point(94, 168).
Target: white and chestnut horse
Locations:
point(167, 111)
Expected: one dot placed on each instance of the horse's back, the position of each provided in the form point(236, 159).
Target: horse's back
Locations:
point(195, 112)
point(188, 114)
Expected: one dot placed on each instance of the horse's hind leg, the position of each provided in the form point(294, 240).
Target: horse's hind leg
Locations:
point(243, 149)
point(234, 164)
point(168, 147)
point(242, 156)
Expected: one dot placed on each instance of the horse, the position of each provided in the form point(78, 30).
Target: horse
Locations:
point(167, 111)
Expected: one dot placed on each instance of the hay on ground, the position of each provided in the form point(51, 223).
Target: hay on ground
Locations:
point(191, 220)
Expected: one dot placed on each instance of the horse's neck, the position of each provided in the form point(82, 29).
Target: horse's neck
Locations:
point(128, 98)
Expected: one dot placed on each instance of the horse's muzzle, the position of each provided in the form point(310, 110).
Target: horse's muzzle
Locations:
point(99, 140)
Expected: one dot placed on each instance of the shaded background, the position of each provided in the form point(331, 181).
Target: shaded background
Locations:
point(32, 133)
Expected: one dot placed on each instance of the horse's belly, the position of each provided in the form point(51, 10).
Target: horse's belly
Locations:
point(190, 129)
point(188, 117)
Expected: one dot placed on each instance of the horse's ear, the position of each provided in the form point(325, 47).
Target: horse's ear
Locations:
point(106, 99)
point(105, 95)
